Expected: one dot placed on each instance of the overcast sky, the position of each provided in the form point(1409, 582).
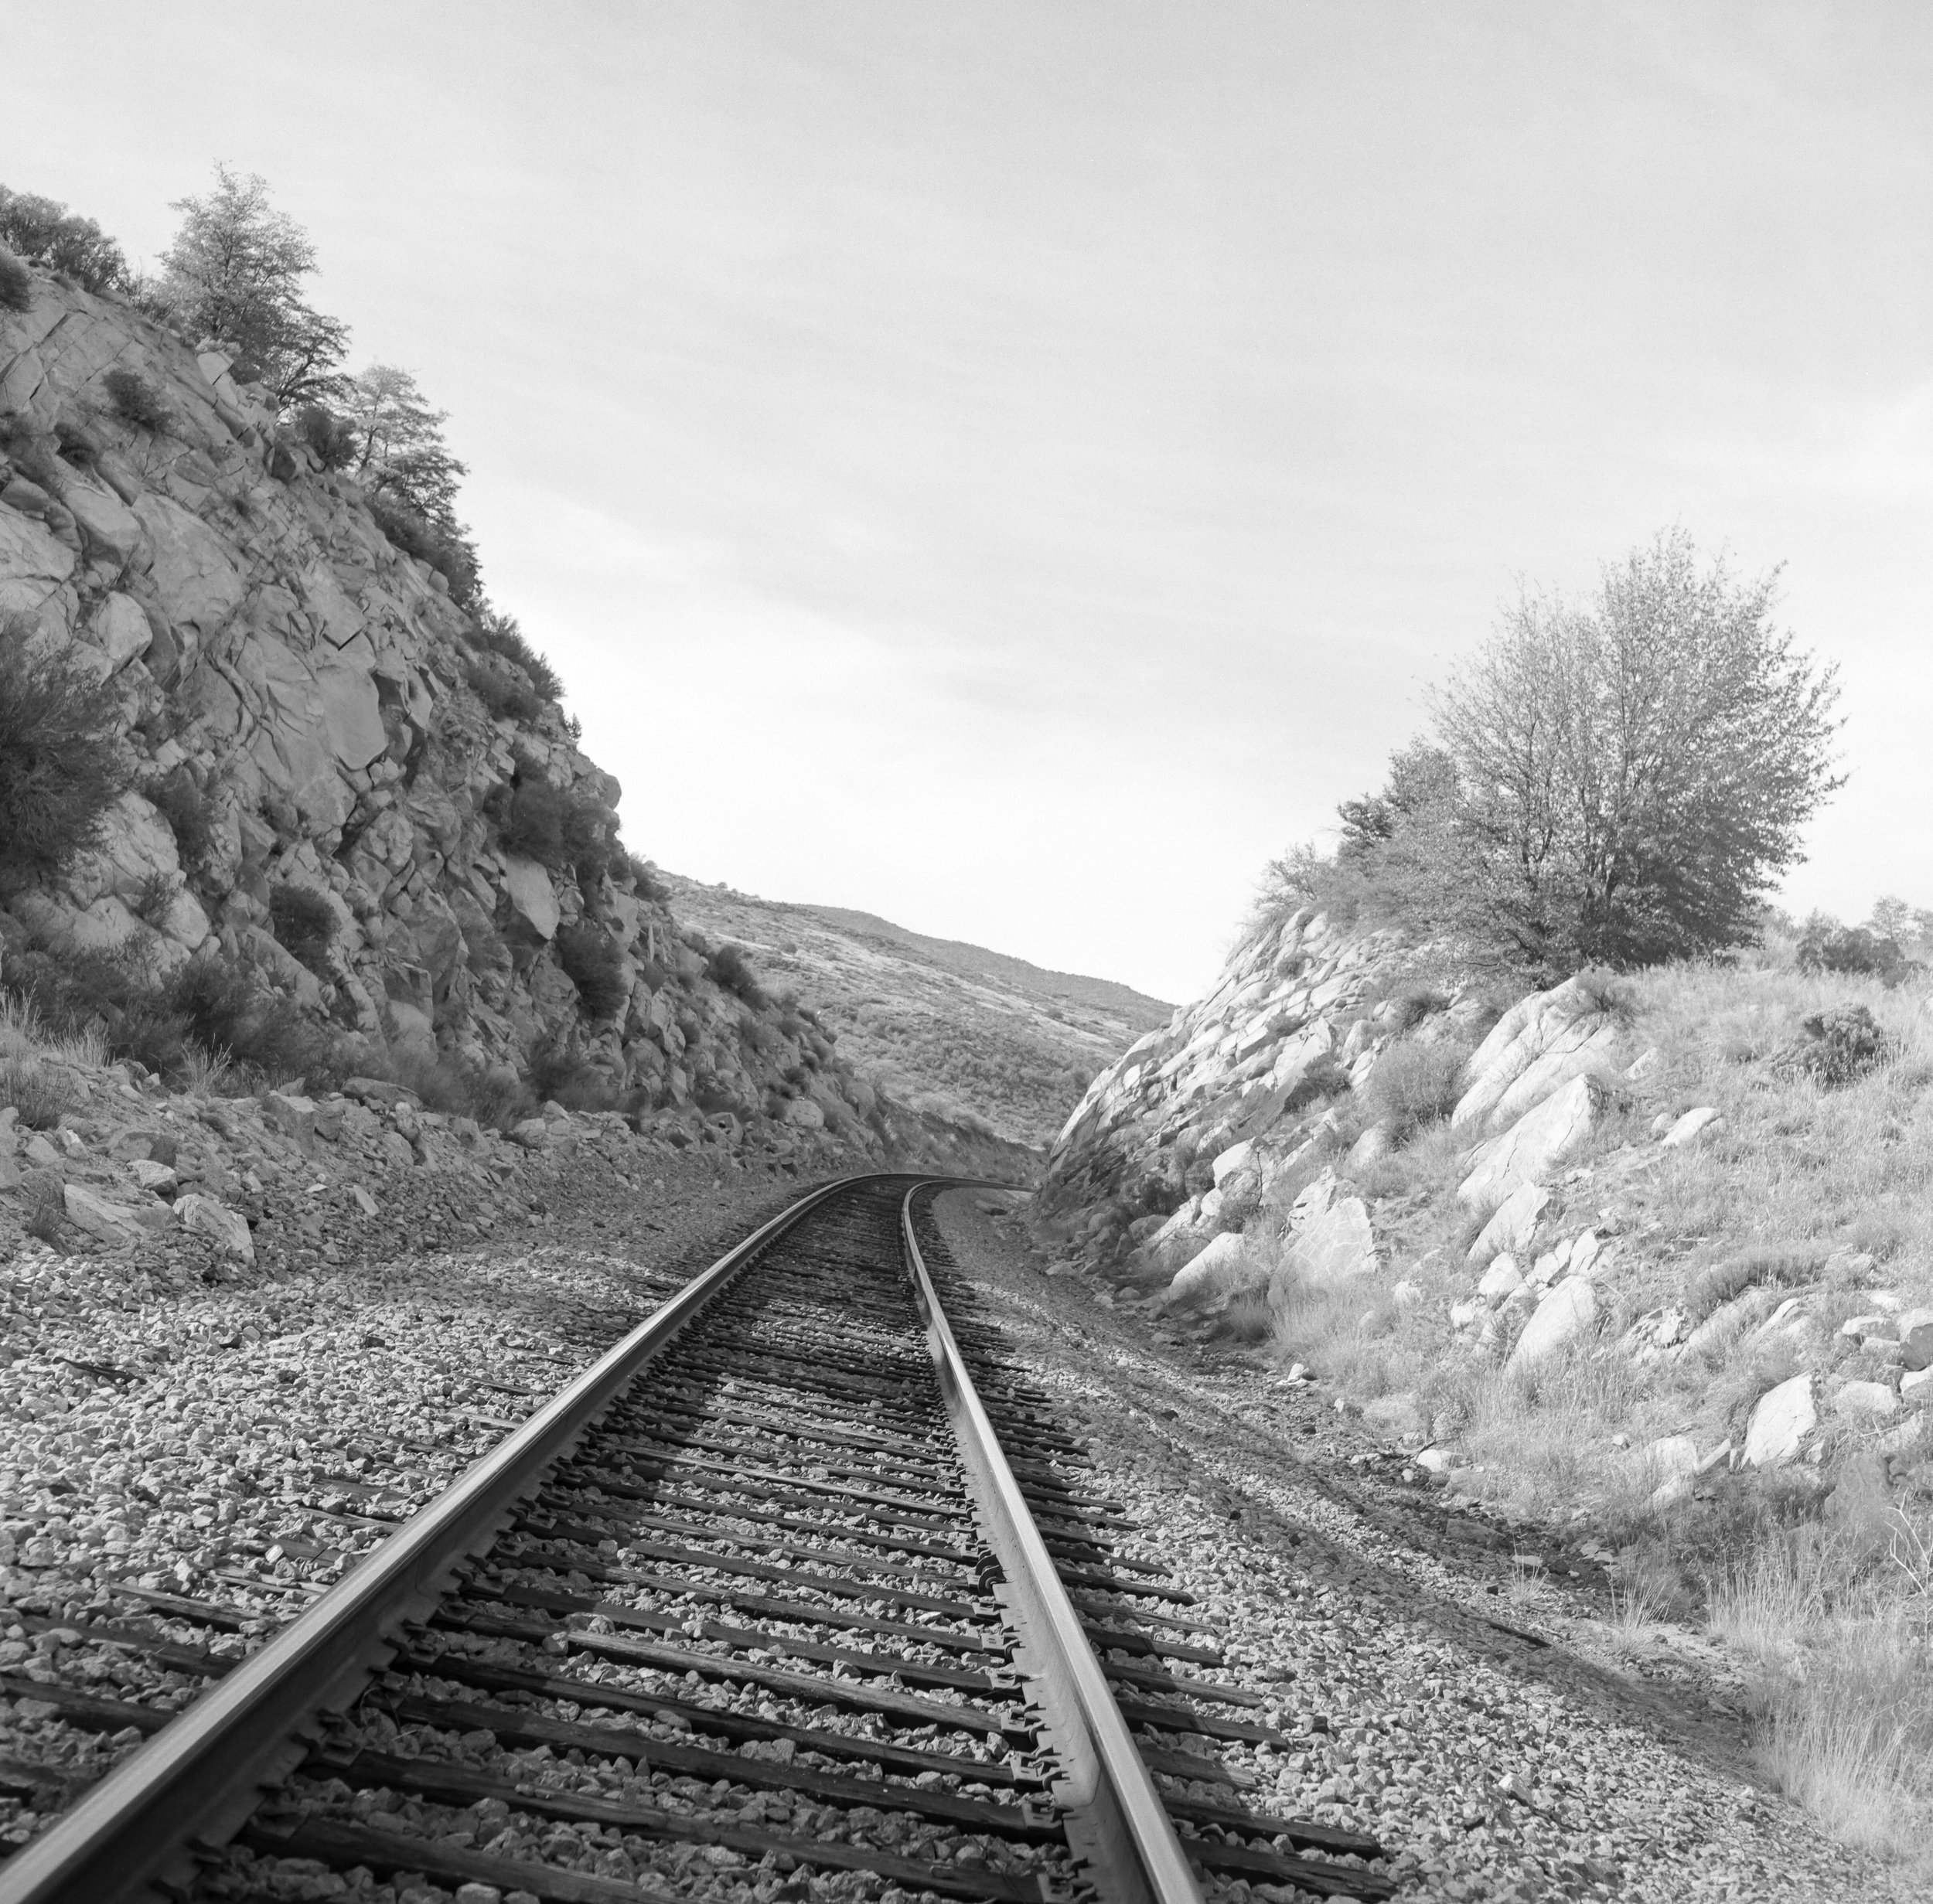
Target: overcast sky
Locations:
point(1014, 467)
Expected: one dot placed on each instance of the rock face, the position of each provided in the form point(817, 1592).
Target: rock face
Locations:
point(1535, 1144)
point(1235, 1067)
point(311, 693)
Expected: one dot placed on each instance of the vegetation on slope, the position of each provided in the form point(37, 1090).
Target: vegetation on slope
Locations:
point(938, 1024)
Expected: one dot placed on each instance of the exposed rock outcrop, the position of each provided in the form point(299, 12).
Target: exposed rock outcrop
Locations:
point(311, 699)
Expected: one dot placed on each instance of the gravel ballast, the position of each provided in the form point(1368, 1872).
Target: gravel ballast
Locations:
point(1466, 1701)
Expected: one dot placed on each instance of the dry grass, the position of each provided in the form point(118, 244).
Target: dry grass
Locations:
point(34, 1064)
point(1840, 1675)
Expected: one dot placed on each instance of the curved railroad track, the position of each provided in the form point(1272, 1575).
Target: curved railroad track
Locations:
point(796, 1592)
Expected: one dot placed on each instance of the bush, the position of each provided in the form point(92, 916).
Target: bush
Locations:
point(36, 1091)
point(500, 634)
point(504, 695)
point(331, 438)
point(1412, 1084)
point(645, 881)
point(1826, 946)
point(137, 400)
point(60, 767)
point(45, 232)
point(729, 969)
point(558, 1072)
point(226, 1012)
point(1843, 1045)
point(531, 817)
point(593, 963)
point(304, 923)
point(178, 798)
point(16, 284)
point(447, 552)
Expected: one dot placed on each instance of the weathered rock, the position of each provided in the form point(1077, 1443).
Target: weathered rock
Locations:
point(152, 1175)
point(1672, 1454)
point(1916, 1385)
point(1502, 1279)
point(1374, 1143)
point(1554, 1025)
point(120, 630)
point(1865, 1401)
point(1566, 1312)
point(1533, 1146)
point(1689, 1128)
point(528, 886)
point(293, 1116)
point(203, 1215)
point(112, 1222)
point(1225, 1255)
point(1780, 1420)
point(1915, 1328)
point(1511, 1224)
point(1234, 1158)
point(532, 1132)
point(1334, 1245)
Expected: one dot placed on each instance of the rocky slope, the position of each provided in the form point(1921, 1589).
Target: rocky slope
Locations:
point(304, 710)
point(934, 1022)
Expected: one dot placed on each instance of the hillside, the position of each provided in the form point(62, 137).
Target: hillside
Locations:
point(1641, 1264)
point(935, 1023)
point(282, 807)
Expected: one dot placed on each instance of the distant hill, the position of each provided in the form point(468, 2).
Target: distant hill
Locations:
point(940, 1024)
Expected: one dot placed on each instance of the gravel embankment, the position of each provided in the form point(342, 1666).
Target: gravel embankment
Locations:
point(174, 1424)
point(1482, 1715)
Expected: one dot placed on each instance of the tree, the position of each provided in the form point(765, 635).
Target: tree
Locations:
point(235, 273)
point(45, 232)
point(1635, 772)
point(400, 452)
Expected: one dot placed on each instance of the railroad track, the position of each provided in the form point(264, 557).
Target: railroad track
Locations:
point(798, 1593)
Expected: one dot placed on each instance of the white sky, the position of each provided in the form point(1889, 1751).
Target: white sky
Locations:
point(1012, 467)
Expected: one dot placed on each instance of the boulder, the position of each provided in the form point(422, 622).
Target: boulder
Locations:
point(202, 1215)
point(1780, 1420)
point(293, 1116)
point(1533, 1146)
point(1232, 1159)
point(1578, 1053)
point(1915, 1328)
point(1566, 1312)
point(1916, 1385)
point(1334, 1245)
point(1502, 1279)
point(1511, 1224)
point(152, 1175)
point(112, 1222)
point(529, 887)
point(119, 629)
point(803, 1113)
point(1671, 1455)
point(1689, 1128)
point(1865, 1401)
point(1374, 1143)
point(107, 525)
point(1224, 1254)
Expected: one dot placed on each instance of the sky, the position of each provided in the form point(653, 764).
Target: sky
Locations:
point(1013, 467)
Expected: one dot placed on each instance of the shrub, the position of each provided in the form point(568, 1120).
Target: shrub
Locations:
point(592, 961)
point(1412, 1084)
point(557, 1071)
point(729, 969)
point(304, 923)
point(178, 798)
point(644, 879)
point(532, 818)
point(36, 1092)
point(1842, 1045)
point(224, 1011)
point(47, 1207)
point(449, 552)
point(137, 400)
point(1826, 946)
point(331, 438)
point(157, 894)
point(60, 768)
point(16, 284)
point(500, 634)
point(45, 231)
point(504, 695)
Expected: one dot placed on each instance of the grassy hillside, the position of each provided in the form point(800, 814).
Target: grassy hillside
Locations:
point(938, 1024)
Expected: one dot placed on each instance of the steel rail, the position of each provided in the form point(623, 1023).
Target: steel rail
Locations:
point(200, 1776)
point(1127, 1832)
